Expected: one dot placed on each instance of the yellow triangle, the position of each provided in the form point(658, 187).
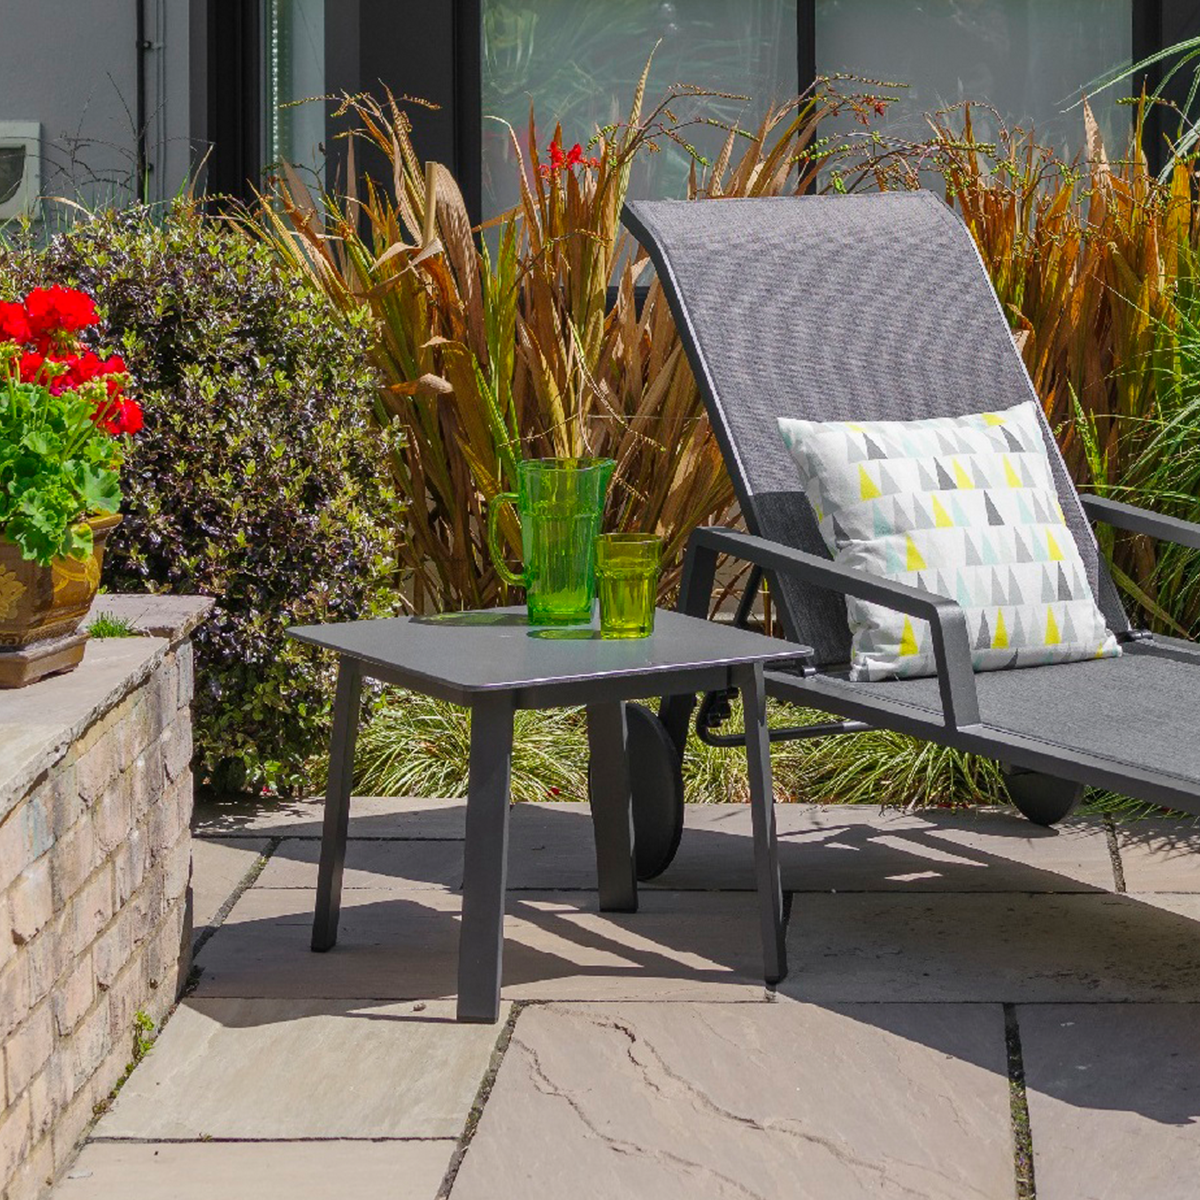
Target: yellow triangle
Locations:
point(915, 562)
point(941, 516)
point(908, 640)
point(1010, 476)
point(961, 477)
point(868, 488)
point(1051, 545)
point(1052, 637)
point(1000, 641)
point(992, 419)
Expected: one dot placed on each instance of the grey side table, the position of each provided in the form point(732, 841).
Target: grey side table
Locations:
point(494, 662)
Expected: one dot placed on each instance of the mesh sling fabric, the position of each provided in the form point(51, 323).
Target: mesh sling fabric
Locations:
point(839, 308)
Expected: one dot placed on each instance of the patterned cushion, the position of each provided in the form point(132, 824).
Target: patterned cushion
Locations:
point(963, 507)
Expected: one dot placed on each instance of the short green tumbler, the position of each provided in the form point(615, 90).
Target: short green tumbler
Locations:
point(627, 566)
point(560, 503)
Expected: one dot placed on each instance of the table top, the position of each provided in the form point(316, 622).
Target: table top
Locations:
point(498, 650)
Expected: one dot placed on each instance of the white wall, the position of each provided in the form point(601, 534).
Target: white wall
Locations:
point(72, 66)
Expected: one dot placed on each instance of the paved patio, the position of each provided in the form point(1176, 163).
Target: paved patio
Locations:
point(947, 971)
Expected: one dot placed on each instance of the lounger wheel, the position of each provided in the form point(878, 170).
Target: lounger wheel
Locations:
point(656, 784)
point(1043, 799)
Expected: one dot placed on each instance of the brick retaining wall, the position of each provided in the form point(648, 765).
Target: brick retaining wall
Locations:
point(95, 865)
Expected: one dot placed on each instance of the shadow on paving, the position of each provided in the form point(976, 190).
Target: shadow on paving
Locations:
point(886, 908)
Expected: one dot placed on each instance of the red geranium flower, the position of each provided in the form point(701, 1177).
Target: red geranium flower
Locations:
point(59, 310)
point(121, 415)
point(14, 324)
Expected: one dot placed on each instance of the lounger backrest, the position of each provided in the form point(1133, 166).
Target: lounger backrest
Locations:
point(873, 307)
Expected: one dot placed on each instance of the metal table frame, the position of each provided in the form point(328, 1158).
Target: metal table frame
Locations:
point(486, 848)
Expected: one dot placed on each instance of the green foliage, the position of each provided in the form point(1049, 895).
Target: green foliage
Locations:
point(253, 480)
point(55, 466)
point(105, 625)
point(417, 746)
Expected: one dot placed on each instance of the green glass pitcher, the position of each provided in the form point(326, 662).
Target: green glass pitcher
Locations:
point(560, 503)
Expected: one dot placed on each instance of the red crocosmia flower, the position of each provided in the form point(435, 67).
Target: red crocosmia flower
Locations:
point(14, 324)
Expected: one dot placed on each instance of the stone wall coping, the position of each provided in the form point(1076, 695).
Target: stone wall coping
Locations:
point(170, 617)
point(39, 723)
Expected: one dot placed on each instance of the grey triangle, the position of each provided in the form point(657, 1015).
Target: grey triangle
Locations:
point(921, 518)
point(945, 478)
point(873, 451)
point(984, 640)
point(839, 533)
point(887, 485)
point(998, 596)
point(854, 451)
point(994, 518)
point(928, 483)
point(971, 556)
point(1013, 442)
point(1014, 590)
point(948, 447)
point(1008, 664)
point(1048, 592)
point(1016, 635)
point(1064, 588)
point(1022, 551)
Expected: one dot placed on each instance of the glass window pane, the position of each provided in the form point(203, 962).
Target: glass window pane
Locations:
point(579, 61)
point(295, 70)
point(1028, 58)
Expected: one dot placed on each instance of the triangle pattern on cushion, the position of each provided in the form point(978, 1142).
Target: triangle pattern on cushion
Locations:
point(961, 507)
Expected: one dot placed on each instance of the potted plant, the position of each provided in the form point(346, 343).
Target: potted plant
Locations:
point(65, 424)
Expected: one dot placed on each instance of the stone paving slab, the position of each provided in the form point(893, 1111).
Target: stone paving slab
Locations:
point(1114, 1100)
point(250, 1069)
point(233, 1170)
point(218, 866)
point(832, 848)
point(1160, 855)
point(404, 945)
point(386, 865)
point(1012, 948)
point(763, 1101)
point(370, 816)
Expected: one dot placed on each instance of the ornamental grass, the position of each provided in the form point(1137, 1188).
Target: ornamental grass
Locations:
point(531, 340)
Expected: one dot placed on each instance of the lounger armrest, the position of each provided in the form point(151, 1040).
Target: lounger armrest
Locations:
point(948, 622)
point(1141, 520)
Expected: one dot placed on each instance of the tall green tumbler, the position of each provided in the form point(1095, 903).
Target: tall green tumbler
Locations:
point(560, 503)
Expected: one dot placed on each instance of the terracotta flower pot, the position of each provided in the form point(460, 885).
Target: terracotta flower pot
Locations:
point(41, 608)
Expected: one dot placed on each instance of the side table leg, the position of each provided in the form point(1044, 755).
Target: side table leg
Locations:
point(762, 815)
point(481, 940)
point(337, 804)
point(612, 807)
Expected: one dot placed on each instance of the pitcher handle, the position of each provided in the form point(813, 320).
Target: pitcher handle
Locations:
point(496, 503)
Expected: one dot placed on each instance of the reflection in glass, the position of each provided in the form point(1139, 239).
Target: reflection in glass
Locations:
point(579, 62)
point(294, 39)
point(1027, 58)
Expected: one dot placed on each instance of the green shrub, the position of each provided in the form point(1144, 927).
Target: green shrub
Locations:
point(253, 482)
